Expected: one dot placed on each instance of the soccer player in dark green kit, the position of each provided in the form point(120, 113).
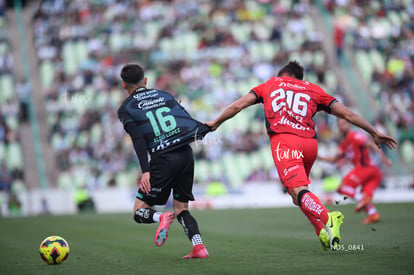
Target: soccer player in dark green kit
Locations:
point(160, 126)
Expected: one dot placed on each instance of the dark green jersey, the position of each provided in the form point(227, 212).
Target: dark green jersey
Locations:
point(156, 121)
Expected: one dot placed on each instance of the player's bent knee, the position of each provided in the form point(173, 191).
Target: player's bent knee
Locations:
point(144, 215)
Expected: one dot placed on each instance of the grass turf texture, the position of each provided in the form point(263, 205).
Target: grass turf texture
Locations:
point(242, 241)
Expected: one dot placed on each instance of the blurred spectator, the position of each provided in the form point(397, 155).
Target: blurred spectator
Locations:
point(83, 200)
point(5, 178)
point(205, 52)
point(23, 93)
point(339, 40)
point(381, 34)
point(14, 204)
point(44, 207)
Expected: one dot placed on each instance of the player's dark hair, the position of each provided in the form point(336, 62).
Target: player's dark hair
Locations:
point(132, 73)
point(293, 68)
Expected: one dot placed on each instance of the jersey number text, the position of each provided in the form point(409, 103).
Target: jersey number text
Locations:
point(297, 102)
point(167, 122)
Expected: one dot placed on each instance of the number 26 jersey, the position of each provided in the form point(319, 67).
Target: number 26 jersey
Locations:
point(290, 105)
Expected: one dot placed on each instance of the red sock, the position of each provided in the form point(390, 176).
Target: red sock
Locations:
point(317, 224)
point(311, 204)
point(370, 209)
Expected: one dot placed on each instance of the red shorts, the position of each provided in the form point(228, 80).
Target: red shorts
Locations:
point(369, 177)
point(294, 157)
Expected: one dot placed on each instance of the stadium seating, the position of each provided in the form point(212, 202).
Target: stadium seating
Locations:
point(11, 158)
point(191, 55)
point(385, 59)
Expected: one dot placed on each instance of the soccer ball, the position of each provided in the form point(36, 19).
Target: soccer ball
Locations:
point(54, 250)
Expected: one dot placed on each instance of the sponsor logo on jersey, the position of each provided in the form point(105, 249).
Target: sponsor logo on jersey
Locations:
point(285, 121)
point(295, 86)
point(288, 153)
point(164, 144)
point(151, 103)
point(146, 94)
point(311, 204)
point(290, 169)
point(290, 85)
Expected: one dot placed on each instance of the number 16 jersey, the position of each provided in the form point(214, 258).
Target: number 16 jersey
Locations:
point(290, 105)
point(161, 120)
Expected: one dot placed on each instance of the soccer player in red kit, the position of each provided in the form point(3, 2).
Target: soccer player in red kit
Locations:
point(355, 147)
point(289, 105)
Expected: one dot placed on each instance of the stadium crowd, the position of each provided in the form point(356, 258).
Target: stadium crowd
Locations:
point(381, 34)
point(11, 161)
point(205, 52)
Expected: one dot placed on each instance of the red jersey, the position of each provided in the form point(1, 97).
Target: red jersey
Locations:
point(354, 148)
point(290, 105)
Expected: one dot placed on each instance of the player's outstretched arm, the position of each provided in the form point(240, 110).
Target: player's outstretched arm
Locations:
point(232, 110)
point(371, 145)
point(341, 111)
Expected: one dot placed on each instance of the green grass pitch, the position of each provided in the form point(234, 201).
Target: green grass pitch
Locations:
point(240, 241)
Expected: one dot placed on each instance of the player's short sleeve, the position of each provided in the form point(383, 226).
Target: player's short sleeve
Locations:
point(259, 91)
point(323, 100)
point(124, 116)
